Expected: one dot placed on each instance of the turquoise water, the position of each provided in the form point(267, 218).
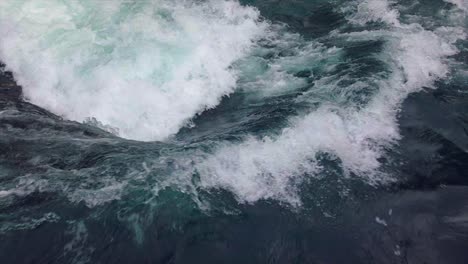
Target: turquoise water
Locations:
point(234, 132)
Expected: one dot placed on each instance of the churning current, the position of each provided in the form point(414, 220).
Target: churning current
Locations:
point(224, 131)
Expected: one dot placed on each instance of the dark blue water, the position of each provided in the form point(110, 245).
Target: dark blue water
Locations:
point(344, 139)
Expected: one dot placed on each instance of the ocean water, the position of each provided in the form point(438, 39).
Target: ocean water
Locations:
point(225, 131)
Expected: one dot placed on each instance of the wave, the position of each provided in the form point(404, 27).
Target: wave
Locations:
point(141, 69)
point(149, 83)
point(274, 166)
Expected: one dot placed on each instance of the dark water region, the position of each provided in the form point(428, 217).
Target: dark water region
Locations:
point(71, 192)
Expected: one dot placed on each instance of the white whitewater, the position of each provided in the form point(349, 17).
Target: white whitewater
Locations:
point(142, 68)
point(273, 167)
point(148, 67)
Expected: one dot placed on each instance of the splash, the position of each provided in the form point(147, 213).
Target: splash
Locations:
point(351, 119)
point(356, 135)
point(140, 68)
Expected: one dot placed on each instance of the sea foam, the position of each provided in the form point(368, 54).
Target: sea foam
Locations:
point(149, 82)
point(140, 68)
point(273, 167)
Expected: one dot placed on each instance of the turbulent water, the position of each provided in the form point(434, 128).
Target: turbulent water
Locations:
point(223, 131)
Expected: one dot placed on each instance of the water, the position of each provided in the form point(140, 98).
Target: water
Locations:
point(224, 131)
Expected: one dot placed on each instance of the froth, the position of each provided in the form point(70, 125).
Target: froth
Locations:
point(461, 4)
point(273, 167)
point(142, 68)
point(148, 82)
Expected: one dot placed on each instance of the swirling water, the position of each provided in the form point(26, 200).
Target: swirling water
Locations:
point(224, 131)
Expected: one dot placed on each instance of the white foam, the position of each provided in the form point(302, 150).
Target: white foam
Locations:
point(194, 45)
point(375, 10)
point(274, 76)
point(142, 67)
point(27, 223)
point(98, 197)
point(461, 4)
point(380, 221)
point(272, 167)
